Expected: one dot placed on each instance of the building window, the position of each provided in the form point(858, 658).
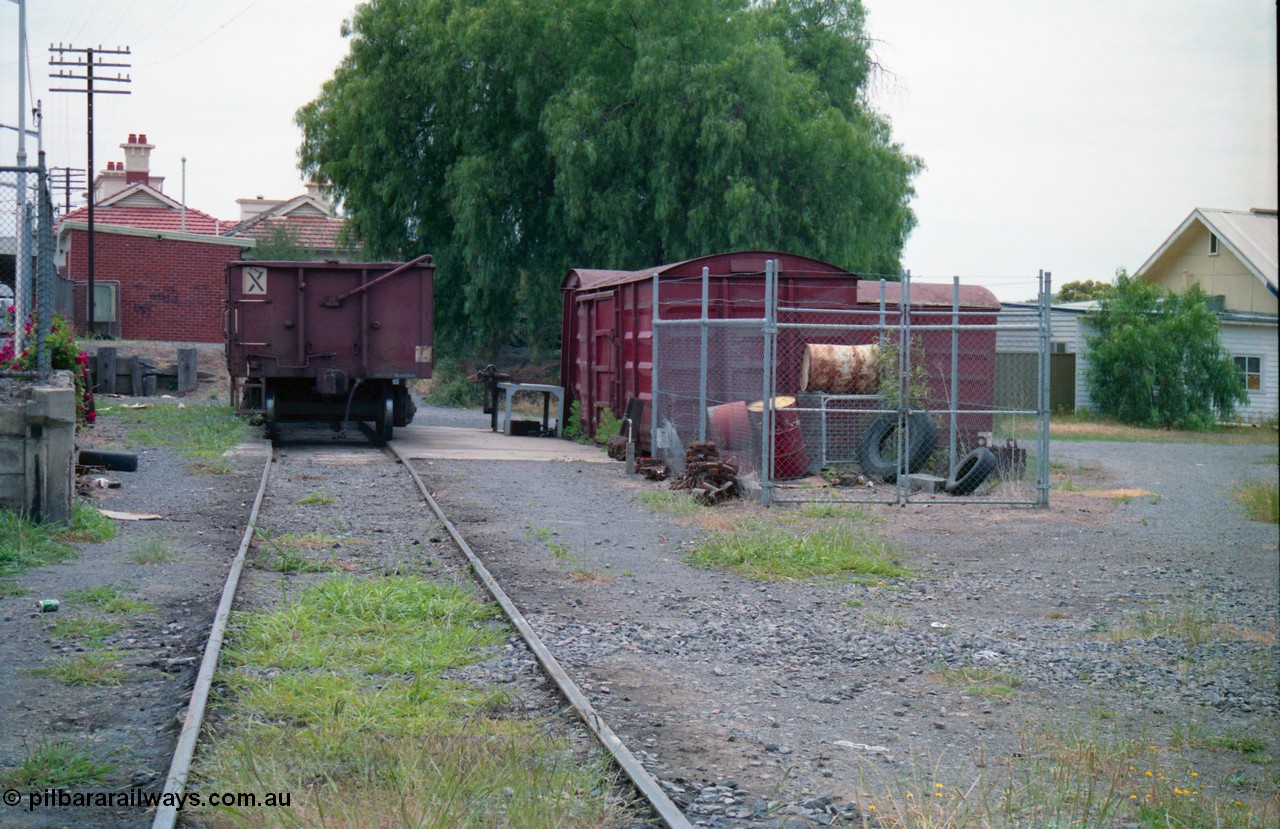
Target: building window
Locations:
point(1250, 372)
point(1213, 244)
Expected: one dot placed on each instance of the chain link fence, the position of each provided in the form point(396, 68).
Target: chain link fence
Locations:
point(26, 269)
point(892, 395)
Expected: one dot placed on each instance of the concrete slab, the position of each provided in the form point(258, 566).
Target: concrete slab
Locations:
point(424, 442)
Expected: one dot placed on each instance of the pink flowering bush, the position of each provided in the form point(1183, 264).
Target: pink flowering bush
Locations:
point(64, 353)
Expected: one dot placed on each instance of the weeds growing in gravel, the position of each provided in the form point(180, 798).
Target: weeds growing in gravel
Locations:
point(976, 681)
point(25, 543)
point(9, 587)
point(340, 699)
point(317, 499)
point(88, 524)
point(153, 551)
point(60, 764)
point(1070, 779)
point(763, 551)
point(679, 504)
point(110, 599)
point(201, 433)
point(1261, 500)
point(89, 629)
point(90, 668)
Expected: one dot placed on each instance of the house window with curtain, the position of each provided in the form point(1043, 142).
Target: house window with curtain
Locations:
point(1213, 244)
point(1250, 372)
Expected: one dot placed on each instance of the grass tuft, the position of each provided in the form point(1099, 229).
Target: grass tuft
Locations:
point(90, 629)
point(1260, 499)
point(153, 551)
point(110, 599)
point(89, 525)
point(25, 543)
point(679, 504)
point(317, 499)
point(59, 764)
point(761, 551)
point(91, 668)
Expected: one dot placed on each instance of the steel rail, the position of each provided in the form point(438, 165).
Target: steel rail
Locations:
point(180, 767)
point(666, 810)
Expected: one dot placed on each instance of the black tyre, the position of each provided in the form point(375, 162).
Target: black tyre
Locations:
point(877, 450)
point(115, 461)
point(971, 471)
point(386, 420)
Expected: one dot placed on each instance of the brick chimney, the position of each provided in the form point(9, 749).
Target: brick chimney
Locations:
point(137, 159)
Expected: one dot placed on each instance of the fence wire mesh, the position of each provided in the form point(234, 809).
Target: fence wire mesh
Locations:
point(26, 268)
point(891, 400)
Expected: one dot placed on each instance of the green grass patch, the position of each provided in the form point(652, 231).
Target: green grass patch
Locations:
point(60, 763)
point(317, 499)
point(395, 625)
point(89, 629)
point(340, 698)
point(200, 433)
point(110, 599)
point(9, 587)
point(761, 551)
point(1187, 621)
point(292, 561)
point(679, 504)
point(88, 524)
point(1260, 499)
point(25, 543)
point(153, 551)
point(91, 668)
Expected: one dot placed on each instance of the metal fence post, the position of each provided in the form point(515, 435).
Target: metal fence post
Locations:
point(1042, 403)
point(44, 273)
point(955, 372)
point(702, 361)
point(766, 402)
point(653, 375)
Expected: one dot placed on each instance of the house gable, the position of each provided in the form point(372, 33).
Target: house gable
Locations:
point(1227, 253)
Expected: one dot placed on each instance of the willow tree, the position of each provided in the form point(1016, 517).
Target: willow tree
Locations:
point(514, 139)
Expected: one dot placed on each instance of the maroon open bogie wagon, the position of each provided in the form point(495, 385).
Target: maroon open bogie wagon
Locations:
point(329, 341)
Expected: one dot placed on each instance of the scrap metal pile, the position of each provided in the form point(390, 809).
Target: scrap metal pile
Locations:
point(712, 479)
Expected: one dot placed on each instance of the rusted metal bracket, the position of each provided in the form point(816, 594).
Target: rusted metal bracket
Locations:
point(336, 301)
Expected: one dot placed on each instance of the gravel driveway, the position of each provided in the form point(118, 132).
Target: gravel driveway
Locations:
point(1141, 605)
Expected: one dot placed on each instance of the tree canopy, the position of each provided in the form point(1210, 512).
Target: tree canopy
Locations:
point(1083, 289)
point(516, 139)
point(1156, 359)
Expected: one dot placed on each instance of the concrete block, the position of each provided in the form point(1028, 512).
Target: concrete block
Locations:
point(13, 455)
point(51, 404)
point(13, 418)
point(926, 483)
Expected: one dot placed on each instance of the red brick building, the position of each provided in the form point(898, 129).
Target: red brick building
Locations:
point(160, 267)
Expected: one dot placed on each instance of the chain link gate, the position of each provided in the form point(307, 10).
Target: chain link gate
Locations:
point(892, 400)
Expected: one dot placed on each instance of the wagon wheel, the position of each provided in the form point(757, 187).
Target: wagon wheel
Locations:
point(269, 413)
point(386, 421)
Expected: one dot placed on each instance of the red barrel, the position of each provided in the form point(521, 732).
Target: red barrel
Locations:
point(730, 425)
point(789, 457)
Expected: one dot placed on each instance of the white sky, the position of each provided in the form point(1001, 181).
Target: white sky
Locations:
point(1072, 135)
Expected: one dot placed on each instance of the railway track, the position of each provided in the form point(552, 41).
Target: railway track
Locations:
point(646, 786)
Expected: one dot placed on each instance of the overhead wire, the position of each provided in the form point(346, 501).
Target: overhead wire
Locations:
point(233, 19)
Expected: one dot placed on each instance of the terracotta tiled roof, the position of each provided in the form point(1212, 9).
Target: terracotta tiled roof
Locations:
point(319, 232)
point(153, 218)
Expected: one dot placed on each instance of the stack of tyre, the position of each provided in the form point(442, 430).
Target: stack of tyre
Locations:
point(878, 456)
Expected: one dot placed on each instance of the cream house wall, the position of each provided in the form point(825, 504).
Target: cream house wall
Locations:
point(1188, 262)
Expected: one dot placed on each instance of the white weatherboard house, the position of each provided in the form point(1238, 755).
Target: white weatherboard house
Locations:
point(1232, 256)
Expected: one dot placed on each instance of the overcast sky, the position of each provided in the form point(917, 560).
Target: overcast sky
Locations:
point(1070, 136)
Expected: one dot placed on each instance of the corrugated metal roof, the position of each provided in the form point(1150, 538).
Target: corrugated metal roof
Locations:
point(1249, 234)
point(721, 264)
point(1253, 235)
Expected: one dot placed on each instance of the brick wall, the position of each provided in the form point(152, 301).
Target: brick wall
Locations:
point(170, 289)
